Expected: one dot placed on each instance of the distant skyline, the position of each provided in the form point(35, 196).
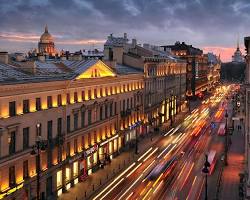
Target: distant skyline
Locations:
point(212, 25)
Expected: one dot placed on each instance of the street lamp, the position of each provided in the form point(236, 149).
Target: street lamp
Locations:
point(205, 170)
point(226, 140)
point(36, 150)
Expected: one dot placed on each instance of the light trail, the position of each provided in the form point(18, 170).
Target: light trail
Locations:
point(131, 186)
point(189, 172)
point(112, 188)
point(134, 170)
point(96, 197)
point(148, 166)
point(163, 151)
point(175, 130)
point(150, 154)
point(189, 194)
point(169, 132)
point(170, 151)
point(147, 194)
point(158, 186)
point(157, 180)
point(145, 153)
point(129, 195)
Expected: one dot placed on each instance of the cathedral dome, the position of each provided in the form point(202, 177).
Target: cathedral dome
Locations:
point(46, 37)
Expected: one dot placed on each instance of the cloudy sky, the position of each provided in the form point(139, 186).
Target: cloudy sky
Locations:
point(212, 25)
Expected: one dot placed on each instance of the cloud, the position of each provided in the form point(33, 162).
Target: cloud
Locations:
point(202, 23)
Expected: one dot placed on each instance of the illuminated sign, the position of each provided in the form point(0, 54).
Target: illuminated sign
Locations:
point(91, 150)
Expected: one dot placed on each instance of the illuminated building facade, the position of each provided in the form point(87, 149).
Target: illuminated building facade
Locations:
point(214, 67)
point(197, 67)
point(78, 108)
point(164, 77)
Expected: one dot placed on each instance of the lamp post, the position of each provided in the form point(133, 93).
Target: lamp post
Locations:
point(205, 170)
point(226, 140)
point(36, 151)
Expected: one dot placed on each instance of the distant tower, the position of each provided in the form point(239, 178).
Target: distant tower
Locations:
point(46, 44)
point(238, 57)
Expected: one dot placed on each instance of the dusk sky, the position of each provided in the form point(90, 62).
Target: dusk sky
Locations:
point(212, 25)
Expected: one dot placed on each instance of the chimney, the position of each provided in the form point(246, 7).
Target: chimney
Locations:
point(133, 43)
point(4, 57)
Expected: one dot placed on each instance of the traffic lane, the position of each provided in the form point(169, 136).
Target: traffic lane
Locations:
point(126, 182)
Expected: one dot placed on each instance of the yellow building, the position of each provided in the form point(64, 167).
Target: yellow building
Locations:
point(78, 109)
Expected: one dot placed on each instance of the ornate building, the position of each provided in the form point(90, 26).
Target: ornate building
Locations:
point(46, 45)
point(197, 67)
point(80, 110)
point(238, 57)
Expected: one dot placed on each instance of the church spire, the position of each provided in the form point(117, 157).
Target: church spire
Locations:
point(46, 28)
point(238, 46)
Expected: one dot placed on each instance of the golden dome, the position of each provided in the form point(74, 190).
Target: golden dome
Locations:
point(46, 37)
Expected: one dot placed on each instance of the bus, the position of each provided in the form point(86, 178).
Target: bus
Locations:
point(212, 160)
point(222, 130)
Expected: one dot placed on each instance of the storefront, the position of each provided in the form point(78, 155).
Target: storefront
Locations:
point(91, 157)
point(109, 148)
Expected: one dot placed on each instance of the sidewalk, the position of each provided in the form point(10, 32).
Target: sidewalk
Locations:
point(230, 174)
point(102, 177)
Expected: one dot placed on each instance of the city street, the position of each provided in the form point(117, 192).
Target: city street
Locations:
point(172, 167)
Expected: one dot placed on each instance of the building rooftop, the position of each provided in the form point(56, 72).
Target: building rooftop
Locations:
point(125, 69)
point(16, 72)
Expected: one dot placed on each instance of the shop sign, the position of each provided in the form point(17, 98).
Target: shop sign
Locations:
point(91, 150)
point(75, 158)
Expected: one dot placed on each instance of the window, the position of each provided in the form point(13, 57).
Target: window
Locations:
point(101, 111)
point(82, 118)
point(38, 104)
point(68, 149)
point(59, 126)
point(131, 102)
point(59, 100)
point(12, 176)
point(89, 139)
point(75, 121)
point(49, 130)
point(111, 90)
point(25, 169)
point(68, 98)
point(95, 136)
point(26, 106)
point(75, 97)
point(25, 138)
point(115, 108)
point(127, 103)
point(83, 142)
point(49, 101)
point(95, 92)
point(12, 142)
point(106, 111)
point(89, 94)
point(83, 95)
point(89, 117)
point(106, 91)
point(123, 105)
point(12, 108)
point(75, 146)
point(111, 109)
point(68, 123)
point(101, 94)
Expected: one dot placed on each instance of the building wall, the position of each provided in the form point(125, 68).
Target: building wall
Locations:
point(78, 139)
